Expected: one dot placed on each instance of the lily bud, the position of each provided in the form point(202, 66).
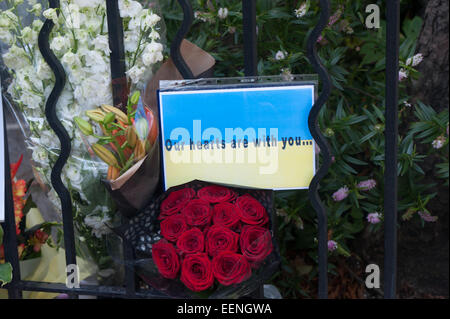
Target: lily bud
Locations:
point(135, 98)
point(105, 155)
point(84, 126)
point(109, 118)
point(141, 122)
point(119, 114)
point(96, 115)
point(131, 136)
point(113, 173)
point(139, 150)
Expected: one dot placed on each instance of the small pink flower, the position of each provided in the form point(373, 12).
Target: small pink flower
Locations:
point(367, 185)
point(426, 216)
point(438, 142)
point(402, 74)
point(332, 245)
point(341, 194)
point(374, 218)
point(336, 16)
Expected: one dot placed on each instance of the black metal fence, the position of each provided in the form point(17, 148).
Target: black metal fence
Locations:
point(129, 288)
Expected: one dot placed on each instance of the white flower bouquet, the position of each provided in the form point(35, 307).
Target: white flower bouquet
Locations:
point(80, 42)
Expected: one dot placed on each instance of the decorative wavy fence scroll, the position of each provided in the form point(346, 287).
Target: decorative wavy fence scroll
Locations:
point(63, 136)
point(175, 49)
point(322, 143)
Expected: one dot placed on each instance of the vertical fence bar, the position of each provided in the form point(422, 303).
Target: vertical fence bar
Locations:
point(313, 125)
point(250, 37)
point(63, 136)
point(391, 148)
point(117, 55)
point(175, 48)
point(10, 239)
point(120, 95)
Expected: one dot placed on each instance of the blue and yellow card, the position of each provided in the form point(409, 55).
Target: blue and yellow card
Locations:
point(254, 136)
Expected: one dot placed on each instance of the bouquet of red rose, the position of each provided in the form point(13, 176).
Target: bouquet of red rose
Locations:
point(205, 237)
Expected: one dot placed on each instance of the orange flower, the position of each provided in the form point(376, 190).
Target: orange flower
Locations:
point(15, 166)
point(19, 188)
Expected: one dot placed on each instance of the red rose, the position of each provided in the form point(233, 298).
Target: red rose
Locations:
point(166, 259)
point(251, 211)
point(173, 226)
point(175, 202)
point(197, 213)
point(256, 243)
point(216, 194)
point(191, 241)
point(226, 214)
point(231, 268)
point(220, 239)
point(196, 272)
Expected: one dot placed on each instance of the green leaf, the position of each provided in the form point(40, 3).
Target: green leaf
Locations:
point(5, 274)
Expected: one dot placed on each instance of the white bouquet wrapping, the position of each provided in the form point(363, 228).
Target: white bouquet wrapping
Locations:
point(80, 42)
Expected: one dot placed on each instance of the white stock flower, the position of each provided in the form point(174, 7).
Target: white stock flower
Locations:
point(37, 25)
point(152, 53)
point(129, 8)
point(36, 9)
point(71, 60)
point(94, 91)
point(144, 20)
point(222, 13)
point(135, 74)
point(101, 43)
point(29, 35)
point(154, 35)
point(93, 25)
point(72, 16)
point(95, 61)
point(88, 3)
point(150, 20)
point(7, 37)
point(8, 19)
point(39, 155)
point(51, 14)
point(31, 100)
point(98, 224)
point(15, 58)
point(49, 139)
point(60, 43)
point(73, 173)
point(131, 39)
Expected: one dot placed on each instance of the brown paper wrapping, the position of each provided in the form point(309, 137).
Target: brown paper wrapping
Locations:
point(135, 188)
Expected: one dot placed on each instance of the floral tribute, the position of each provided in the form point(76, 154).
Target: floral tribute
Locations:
point(29, 241)
point(79, 40)
point(211, 235)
